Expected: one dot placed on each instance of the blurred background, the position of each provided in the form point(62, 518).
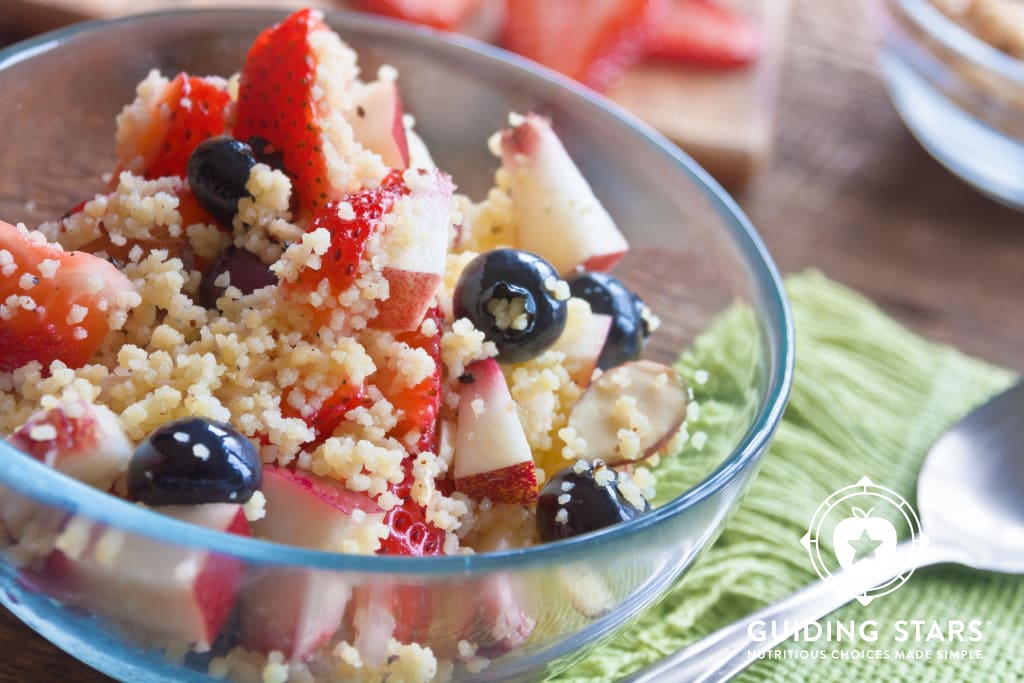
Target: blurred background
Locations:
point(784, 102)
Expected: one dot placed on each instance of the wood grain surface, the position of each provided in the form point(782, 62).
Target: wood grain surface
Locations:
point(849, 192)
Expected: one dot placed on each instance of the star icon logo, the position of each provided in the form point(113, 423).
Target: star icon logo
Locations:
point(864, 547)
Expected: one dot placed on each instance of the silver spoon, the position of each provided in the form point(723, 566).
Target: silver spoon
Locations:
point(970, 496)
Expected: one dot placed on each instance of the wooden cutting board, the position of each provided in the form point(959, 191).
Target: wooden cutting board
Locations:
point(724, 119)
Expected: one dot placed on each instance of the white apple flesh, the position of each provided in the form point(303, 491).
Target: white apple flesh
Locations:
point(295, 611)
point(559, 216)
point(582, 341)
point(168, 591)
point(82, 440)
point(376, 120)
point(416, 245)
point(659, 399)
point(492, 456)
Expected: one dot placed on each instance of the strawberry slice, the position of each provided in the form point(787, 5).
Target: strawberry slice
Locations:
point(705, 33)
point(157, 132)
point(292, 85)
point(348, 244)
point(420, 404)
point(442, 14)
point(593, 41)
point(411, 533)
point(54, 304)
point(330, 414)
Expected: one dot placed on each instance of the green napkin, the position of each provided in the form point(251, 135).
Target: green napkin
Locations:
point(868, 399)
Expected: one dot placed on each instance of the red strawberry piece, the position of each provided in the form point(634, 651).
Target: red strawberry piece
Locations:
point(348, 241)
point(190, 110)
point(49, 313)
point(593, 41)
point(330, 414)
point(420, 404)
point(705, 33)
point(443, 14)
point(279, 102)
point(411, 533)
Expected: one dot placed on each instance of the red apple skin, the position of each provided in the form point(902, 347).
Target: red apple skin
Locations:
point(411, 296)
point(398, 133)
point(515, 484)
point(603, 262)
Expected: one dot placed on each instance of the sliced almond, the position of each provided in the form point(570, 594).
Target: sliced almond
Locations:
point(630, 411)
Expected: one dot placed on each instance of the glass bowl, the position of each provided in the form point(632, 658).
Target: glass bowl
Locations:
point(693, 257)
point(962, 98)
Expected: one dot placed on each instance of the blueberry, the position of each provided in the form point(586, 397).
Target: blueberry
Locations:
point(573, 503)
point(267, 154)
point(508, 295)
point(194, 460)
point(608, 296)
point(217, 173)
point(644, 314)
point(246, 271)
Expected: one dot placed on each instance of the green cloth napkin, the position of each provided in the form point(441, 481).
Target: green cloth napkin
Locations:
point(869, 397)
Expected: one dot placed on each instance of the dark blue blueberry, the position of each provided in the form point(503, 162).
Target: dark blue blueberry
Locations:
point(247, 272)
point(194, 460)
point(217, 173)
point(504, 275)
point(641, 308)
point(588, 505)
point(608, 296)
point(268, 154)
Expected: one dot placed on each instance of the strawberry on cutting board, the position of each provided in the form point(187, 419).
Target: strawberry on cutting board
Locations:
point(442, 14)
point(705, 33)
point(54, 304)
point(593, 41)
point(158, 131)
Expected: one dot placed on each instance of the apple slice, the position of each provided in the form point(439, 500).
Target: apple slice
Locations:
point(587, 591)
point(81, 439)
point(644, 398)
point(376, 120)
point(419, 153)
point(499, 622)
point(295, 611)
point(582, 340)
point(492, 456)
point(417, 245)
point(559, 216)
point(168, 591)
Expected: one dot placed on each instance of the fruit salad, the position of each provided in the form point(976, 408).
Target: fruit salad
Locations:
point(283, 321)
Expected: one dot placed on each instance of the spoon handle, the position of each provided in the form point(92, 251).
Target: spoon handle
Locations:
point(725, 653)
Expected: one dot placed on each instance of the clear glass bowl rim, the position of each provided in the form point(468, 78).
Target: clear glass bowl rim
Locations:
point(48, 486)
point(961, 41)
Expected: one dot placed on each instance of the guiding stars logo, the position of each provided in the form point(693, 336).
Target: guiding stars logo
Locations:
point(861, 522)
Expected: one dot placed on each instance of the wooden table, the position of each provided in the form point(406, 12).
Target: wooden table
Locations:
point(850, 192)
